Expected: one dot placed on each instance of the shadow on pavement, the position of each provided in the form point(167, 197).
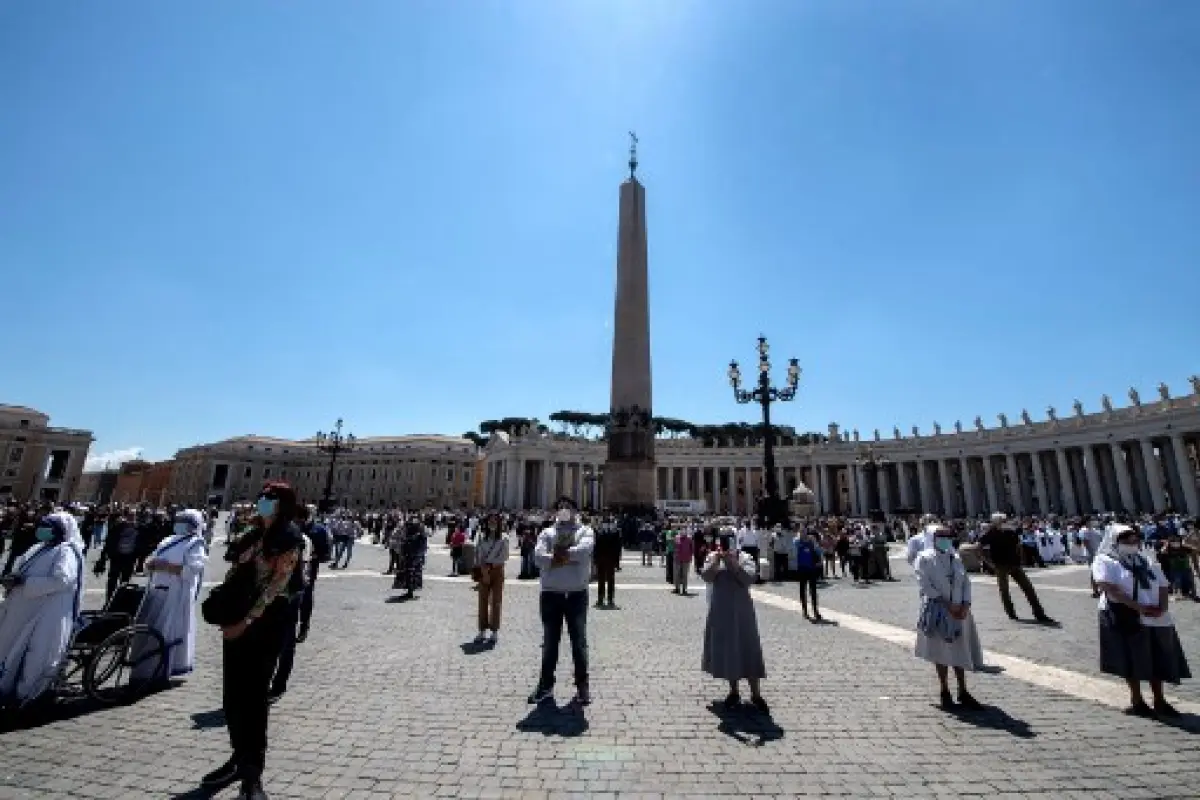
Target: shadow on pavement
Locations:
point(400, 598)
point(203, 720)
point(195, 794)
point(995, 719)
point(1187, 723)
point(746, 724)
point(67, 706)
point(990, 669)
point(548, 719)
point(475, 648)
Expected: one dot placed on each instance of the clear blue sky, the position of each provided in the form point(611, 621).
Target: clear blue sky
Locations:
point(220, 218)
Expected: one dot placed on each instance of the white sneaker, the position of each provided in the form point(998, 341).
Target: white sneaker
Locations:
point(480, 637)
point(494, 636)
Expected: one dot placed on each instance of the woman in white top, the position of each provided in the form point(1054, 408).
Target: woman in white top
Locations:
point(1137, 635)
point(491, 553)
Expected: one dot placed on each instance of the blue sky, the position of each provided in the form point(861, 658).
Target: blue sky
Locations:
point(219, 218)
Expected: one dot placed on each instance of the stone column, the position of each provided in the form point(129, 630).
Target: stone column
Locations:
point(989, 478)
point(1153, 476)
point(670, 483)
point(923, 485)
point(547, 483)
point(818, 489)
point(1124, 485)
point(749, 494)
point(579, 482)
point(1091, 471)
point(1070, 506)
point(885, 494)
point(968, 483)
point(516, 483)
point(1039, 483)
point(1191, 502)
point(1014, 484)
point(948, 496)
point(730, 492)
point(906, 498)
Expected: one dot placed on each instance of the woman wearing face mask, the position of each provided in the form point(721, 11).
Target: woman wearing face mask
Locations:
point(176, 570)
point(270, 549)
point(491, 553)
point(1138, 641)
point(732, 648)
point(946, 633)
point(36, 620)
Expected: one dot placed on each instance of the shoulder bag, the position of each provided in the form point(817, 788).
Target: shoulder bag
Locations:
point(230, 602)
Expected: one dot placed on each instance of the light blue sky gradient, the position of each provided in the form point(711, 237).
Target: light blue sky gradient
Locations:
point(220, 218)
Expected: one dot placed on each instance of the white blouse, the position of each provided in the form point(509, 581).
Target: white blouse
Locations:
point(1106, 569)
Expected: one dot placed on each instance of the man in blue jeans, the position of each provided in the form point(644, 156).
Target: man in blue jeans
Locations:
point(564, 555)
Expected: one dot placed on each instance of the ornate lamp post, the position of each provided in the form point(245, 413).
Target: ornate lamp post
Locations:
point(333, 443)
point(870, 463)
point(771, 508)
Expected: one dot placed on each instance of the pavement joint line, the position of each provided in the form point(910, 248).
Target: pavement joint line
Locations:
point(1056, 679)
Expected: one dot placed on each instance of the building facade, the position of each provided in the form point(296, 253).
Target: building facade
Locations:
point(408, 472)
point(96, 487)
point(144, 482)
point(1140, 458)
point(39, 462)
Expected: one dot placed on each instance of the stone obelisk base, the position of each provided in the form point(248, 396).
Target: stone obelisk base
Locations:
point(629, 486)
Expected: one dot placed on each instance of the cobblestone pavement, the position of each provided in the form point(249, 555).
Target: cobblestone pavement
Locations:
point(387, 701)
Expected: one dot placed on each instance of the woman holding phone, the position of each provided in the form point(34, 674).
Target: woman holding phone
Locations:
point(732, 648)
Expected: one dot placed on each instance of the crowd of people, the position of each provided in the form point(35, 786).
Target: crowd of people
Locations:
point(264, 605)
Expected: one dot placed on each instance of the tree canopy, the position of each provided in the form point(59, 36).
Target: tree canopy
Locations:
point(591, 425)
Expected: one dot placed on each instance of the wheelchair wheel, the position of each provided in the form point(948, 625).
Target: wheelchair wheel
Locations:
point(126, 665)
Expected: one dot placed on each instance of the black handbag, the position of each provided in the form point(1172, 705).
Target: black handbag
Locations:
point(230, 602)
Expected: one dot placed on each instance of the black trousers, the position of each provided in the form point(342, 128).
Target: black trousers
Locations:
point(247, 664)
point(808, 582)
point(287, 647)
point(606, 578)
point(557, 608)
point(781, 566)
point(120, 570)
point(1018, 575)
point(306, 597)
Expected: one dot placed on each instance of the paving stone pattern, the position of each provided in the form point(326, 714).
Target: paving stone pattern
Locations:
point(386, 701)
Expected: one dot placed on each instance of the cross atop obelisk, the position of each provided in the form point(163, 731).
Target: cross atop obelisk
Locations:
point(632, 154)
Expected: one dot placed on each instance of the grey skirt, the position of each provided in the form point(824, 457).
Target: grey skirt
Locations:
point(1148, 654)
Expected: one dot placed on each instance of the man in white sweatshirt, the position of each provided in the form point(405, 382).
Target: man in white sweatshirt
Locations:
point(564, 555)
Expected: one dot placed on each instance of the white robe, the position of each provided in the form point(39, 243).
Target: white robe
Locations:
point(942, 575)
point(170, 605)
point(38, 618)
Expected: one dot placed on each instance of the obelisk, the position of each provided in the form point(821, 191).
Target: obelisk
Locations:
point(629, 470)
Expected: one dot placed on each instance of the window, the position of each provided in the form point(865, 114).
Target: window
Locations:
point(12, 473)
point(466, 476)
point(220, 475)
point(267, 474)
point(246, 474)
point(435, 472)
point(24, 423)
point(16, 454)
point(450, 474)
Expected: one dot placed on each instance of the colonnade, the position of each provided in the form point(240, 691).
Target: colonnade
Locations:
point(538, 482)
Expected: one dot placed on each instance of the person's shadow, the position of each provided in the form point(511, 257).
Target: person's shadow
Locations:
point(995, 719)
point(204, 720)
point(746, 724)
point(473, 647)
point(548, 719)
point(1187, 723)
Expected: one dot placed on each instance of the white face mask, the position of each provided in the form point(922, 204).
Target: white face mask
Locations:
point(564, 515)
point(1128, 549)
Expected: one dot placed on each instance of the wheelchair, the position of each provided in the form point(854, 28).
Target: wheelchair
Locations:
point(112, 657)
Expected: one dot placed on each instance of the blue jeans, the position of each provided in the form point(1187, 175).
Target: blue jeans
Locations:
point(557, 608)
point(342, 547)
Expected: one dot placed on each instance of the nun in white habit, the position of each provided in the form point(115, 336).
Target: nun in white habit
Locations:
point(38, 616)
point(176, 572)
point(946, 633)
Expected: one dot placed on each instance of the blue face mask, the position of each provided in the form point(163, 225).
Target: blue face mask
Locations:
point(182, 529)
point(44, 534)
point(943, 545)
point(267, 507)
